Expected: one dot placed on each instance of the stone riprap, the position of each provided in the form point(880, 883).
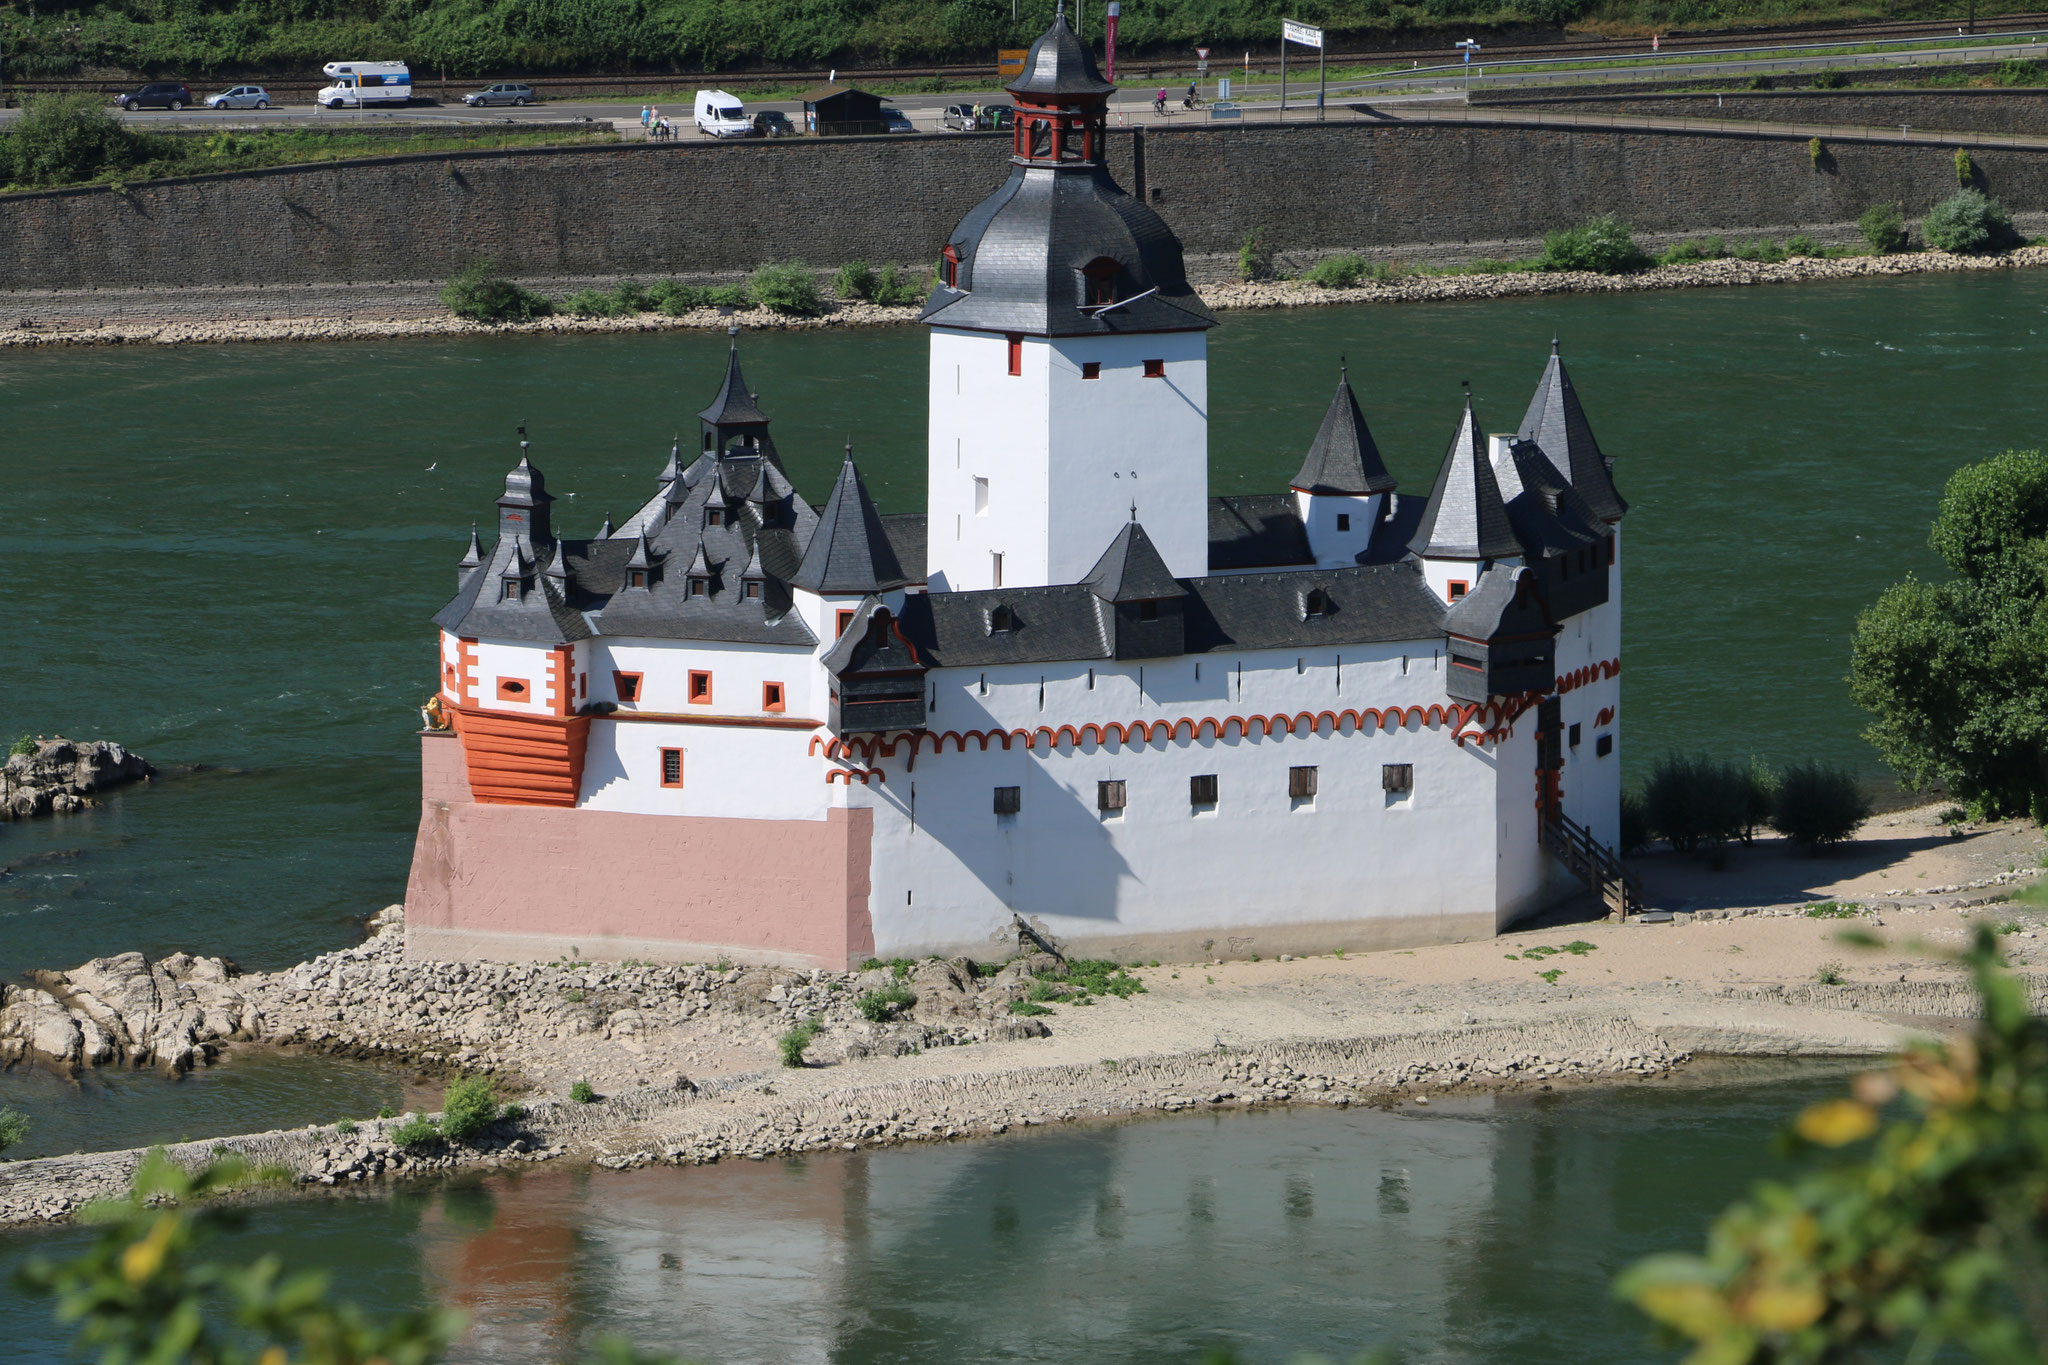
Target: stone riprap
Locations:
point(652, 210)
point(134, 323)
point(59, 775)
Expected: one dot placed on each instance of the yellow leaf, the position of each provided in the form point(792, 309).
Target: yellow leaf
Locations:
point(1785, 1307)
point(146, 1257)
point(1834, 1123)
point(1694, 1309)
point(273, 1355)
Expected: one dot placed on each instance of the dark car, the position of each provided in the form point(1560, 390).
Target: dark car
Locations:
point(773, 123)
point(157, 95)
point(505, 92)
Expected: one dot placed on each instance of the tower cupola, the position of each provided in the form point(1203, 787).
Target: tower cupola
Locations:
point(1062, 101)
point(523, 509)
point(734, 423)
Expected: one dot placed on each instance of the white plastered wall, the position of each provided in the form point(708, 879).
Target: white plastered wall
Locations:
point(739, 772)
point(523, 663)
point(738, 672)
point(1320, 514)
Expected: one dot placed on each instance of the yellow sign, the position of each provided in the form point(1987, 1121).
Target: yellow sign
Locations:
point(1010, 62)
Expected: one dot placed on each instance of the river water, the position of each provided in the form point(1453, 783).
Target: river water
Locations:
point(1481, 1230)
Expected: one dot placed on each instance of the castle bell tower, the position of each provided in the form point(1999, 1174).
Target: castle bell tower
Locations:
point(1069, 358)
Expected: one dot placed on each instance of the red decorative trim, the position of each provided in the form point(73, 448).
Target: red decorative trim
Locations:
point(1580, 677)
point(1606, 714)
point(468, 653)
point(558, 680)
point(522, 760)
point(514, 689)
point(623, 682)
point(851, 775)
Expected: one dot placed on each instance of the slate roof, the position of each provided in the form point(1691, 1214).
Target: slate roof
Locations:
point(1556, 421)
point(1131, 570)
point(1022, 249)
point(734, 405)
point(542, 614)
point(906, 532)
point(1256, 531)
point(952, 629)
point(1343, 458)
point(1466, 517)
point(849, 552)
point(1059, 64)
point(1547, 513)
point(1496, 608)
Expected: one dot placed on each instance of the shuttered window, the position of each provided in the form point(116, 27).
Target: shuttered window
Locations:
point(1301, 782)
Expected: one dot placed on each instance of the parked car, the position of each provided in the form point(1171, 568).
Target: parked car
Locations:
point(504, 92)
point(241, 97)
point(157, 95)
point(773, 123)
point(893, 121)
point(963, 118)
point(960, 117)
point(721, 115)
point(998, 116)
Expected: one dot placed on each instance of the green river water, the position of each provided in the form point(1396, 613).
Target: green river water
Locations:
point(226, 556)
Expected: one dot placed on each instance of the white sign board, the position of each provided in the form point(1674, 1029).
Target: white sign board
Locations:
point(1305, 34)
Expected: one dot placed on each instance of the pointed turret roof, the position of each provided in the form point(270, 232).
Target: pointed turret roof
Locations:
point(558, 569)
point(848, 550)
point(1131, 570)
point(474, 555)
point(1465, 518)
point(673, 470)
point(734, 405)
point(1343, 458)
point(604, 532)
point(1557, 422)
point(1060, 64)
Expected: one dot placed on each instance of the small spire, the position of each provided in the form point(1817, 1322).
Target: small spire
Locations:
point(1061, 15)
point(558, 568)
point(524, 444)
point(475, 554)
point(1553, 343)
point(1343, 369)
point(1134, 509)
point(1468, 393)
point(604, 532)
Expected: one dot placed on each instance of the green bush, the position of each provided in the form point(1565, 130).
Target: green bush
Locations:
point(346, 1127)
point(1253, 261)
point(69, 139)
point(876, 1006)
point(24, 745)
point(1884, 227)
point(1814, 151)
point(469, 1106)
point(581, 1093)
point(1966, 169)
point(789, 289)
point(1603, 245)
point(1028, 1008)
point(2019, 71)
point(1759, 82)
point(1968, 221)
point(1693, 249)
point(675, 298)
point(897, 290)
point(1818, 804)
point(1338, 272)
point(481, 296)
point(1803, 244)
point(13, 1127)
point(793, 1043)
point(417, 1131)
point(855, 281)
point(1829, 80)
point(1693, 803)
point(1635, 823)
point(1759, 250)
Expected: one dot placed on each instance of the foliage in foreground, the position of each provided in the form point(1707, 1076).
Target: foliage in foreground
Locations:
point(1931, 1236)
point(1969, 221)
point(481, 296)
point(1955, 674)
point(1603, 245)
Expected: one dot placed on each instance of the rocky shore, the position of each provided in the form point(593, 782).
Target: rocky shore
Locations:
point(57, 776)
point(138, 328)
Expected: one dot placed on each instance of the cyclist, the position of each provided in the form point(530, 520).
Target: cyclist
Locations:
point(1193, 99)
point(1159, 101)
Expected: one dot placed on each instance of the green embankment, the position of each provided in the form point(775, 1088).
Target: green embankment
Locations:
point(465, 38)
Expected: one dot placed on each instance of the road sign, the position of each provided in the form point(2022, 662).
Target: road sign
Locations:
point(1202, 53)
point(1223, 89)
point(1306, 34)
point(1010, 62)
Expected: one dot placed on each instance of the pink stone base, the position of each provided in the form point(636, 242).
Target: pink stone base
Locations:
point(537, 882)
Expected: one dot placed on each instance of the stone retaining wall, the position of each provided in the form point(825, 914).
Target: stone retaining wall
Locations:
point(1422, 189)
point(1982, 111)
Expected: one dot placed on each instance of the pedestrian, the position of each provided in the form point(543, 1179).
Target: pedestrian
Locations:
point(646, 116)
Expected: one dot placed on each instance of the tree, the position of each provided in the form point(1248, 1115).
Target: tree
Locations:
point(68, 139)
point(1932, 1234)
point(1956, 673)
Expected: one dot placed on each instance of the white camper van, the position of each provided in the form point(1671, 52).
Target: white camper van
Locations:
point(357, 84)
point(721, 115)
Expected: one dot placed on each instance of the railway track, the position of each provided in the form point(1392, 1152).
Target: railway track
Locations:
point(1139, 68)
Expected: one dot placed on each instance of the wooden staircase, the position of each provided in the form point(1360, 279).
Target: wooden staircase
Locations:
point(1619, 889)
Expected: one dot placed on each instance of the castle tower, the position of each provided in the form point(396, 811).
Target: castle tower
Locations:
point(1343, 483)
point(1069, 359)
point(1465, 527)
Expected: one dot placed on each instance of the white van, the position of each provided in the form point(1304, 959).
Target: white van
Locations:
point(361, 83)
point(720, 115)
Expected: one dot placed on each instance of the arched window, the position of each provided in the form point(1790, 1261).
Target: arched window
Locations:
point(949, 266)
point(1098, 282)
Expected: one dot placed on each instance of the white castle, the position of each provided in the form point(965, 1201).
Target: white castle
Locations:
point(1077, 694)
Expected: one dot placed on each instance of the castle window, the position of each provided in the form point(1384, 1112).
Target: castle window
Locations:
point(1603, 746)
point(1155, 369)
point(1109, 795)
point(448, 674)
point(1397, 777)
point(1098, 282)
point(845, 620)
point(636, 578)
point(511, 689)
point(1343, 521)
point(1091, 369)
point(510, 591)
point(1148, 611)
point(1316, 603)
point(700, 687)
point(1016, 353)
point(771, 696)
point(980, 497)
point(1202, 790)
point(1572, 738)
point(1458, 588)
point(1301, 783)
point(671, 767)
point(995, 568)
point(1610, 552)
point(949, 266)
point(753, 587)
point(707, 440)
point(1001, 621)
point(699, 586)
point(714, 516)
point(627, 685)
point(1009, 800)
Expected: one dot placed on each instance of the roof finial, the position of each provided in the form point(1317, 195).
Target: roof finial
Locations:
point(1468, 391)
point(523, 443)
point(732, 329)
point(1134, 511)
point(1343, 368)
point(1061, 15)
point(1553, 341)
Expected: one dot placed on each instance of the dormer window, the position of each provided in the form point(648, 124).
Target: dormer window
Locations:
point(700, 586)
point(707, 440)
point(1148, 611)
point(1317, 603)
point(714, 516)
point(636, 578)
point(509, 591)
point(1098, 283)
point(949, 266)
point(1001, 621)
point(753, 587)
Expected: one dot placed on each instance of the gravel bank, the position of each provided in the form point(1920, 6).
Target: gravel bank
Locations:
point(131, 330)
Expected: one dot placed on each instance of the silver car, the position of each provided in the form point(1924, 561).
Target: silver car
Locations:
point(501, 93)
point(241, 97)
